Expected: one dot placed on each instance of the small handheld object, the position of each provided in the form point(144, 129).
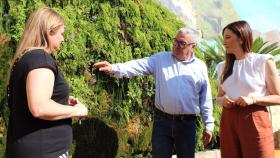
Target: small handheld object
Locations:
point(73, 101)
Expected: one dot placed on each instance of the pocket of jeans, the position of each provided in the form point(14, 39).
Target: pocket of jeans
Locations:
point(189, 122)
point(262, 122)
point(158, 118)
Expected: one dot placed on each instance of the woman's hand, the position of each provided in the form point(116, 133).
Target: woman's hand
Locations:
point(228, 103)
point(80, 108)
point(223, 99)
point(245, 101)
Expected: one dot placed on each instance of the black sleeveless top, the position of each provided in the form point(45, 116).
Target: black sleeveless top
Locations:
point(30, 137)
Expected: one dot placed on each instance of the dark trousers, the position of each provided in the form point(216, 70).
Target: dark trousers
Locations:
point(170, 133)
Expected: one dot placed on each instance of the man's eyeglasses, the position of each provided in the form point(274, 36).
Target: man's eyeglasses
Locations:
point(181, 44)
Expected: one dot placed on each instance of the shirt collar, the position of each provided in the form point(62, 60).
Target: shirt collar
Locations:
point(193, 58)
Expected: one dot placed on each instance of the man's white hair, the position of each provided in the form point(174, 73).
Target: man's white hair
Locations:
point(189, 31)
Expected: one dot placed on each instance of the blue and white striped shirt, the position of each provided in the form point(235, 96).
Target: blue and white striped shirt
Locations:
point(182, 87)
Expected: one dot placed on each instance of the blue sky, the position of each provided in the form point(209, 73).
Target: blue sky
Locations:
point(262, 15)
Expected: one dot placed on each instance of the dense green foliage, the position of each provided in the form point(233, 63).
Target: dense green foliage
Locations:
point(120, 110)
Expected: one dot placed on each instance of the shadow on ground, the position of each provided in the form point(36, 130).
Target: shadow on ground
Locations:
point(94, 138)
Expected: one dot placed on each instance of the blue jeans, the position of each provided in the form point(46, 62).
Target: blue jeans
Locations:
point(169, 134)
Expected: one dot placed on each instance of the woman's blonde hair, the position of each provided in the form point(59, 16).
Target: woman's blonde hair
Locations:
point(40, 24)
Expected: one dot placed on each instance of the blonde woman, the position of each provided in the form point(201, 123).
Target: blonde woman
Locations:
point(38, 95)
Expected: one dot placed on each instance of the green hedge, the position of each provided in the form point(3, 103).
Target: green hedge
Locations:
point(114, 30)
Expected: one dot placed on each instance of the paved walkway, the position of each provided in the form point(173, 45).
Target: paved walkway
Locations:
point(206, 154)
point(277, 153)
point(216, 154)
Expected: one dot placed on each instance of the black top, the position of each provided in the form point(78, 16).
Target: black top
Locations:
point(30, 137)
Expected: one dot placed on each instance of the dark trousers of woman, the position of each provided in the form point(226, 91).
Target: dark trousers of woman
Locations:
point(246, 132)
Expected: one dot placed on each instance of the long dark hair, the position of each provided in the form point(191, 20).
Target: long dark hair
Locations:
point(243, 30)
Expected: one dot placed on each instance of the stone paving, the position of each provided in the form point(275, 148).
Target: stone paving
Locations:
point(216, 154)
point(277, 153)
point(206, 154)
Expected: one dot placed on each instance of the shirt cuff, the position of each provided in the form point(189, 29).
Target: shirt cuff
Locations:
point(209, 126)
point(115, 72)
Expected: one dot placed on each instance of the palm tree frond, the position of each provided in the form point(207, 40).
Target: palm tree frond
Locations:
point(276, 51)
point(278, 64)
point(269, 48)
point(258, 44)
point(214, 52)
